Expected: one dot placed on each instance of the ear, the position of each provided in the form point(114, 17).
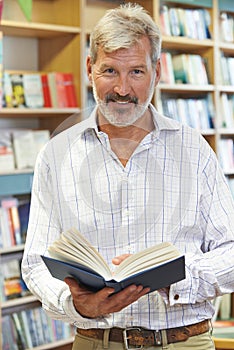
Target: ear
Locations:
point(89, 69)
point(158, 71)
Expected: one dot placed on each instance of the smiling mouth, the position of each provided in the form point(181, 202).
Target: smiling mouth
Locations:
point(121, 99)
point(122, 102)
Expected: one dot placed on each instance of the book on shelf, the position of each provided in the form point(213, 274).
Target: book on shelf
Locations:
point(223, 329)
point(10, 206)
point(40, 138)
point(17, 90)
point(46, 90)
point(227, 105)
point(62, 89)
point(9, 335)
point(155, 267)
point(20, 331)
point(225, 307)
point(19, 147)
point(33, 92)
point(226, 69)
point(226, 24)
point(202, 21)
point(8, 100)
point(7, 162)
point(27, 143)
point(174, 22)
point(231, 185)
point(32, 327)
point(1, 67)
point(224, 73)
point(24, 148)
point(23, 211)
point(164, 20)
point(14, 213)
point(189, 69)
point(181, 69)
point(11, 286)
point(190, 23)
point(226, 154)
point(70, 90)
point(167, 73)
point(38, 90)
point(230, 63)
point(197, 113)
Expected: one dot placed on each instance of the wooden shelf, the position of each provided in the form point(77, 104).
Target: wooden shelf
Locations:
point(19, 304)
point(223, 343)
point(225, 88)
point(183, 44)
point(37, 112)
point(208, 132)
point(19, 301)
point(228, 172)
point(226, 47)
point(224, 131)
point(16, 183)
point(186, 88)
point(12, 250)
point(36, 30)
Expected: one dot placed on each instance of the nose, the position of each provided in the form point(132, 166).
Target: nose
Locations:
point(122, 85)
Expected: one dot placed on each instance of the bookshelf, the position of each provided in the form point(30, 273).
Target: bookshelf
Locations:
point(60, 30)
point(55, 35)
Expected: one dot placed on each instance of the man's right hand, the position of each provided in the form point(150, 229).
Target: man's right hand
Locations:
point(104, 302)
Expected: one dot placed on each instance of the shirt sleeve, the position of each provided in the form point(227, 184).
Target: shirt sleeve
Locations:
point(210, 273)
point(44, 227)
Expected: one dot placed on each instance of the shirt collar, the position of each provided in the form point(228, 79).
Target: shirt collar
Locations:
point(161, 122)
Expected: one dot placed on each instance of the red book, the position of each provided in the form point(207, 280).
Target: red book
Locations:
point(62, 101)
point(62, 90)
point(46, 90)
point(70, 90)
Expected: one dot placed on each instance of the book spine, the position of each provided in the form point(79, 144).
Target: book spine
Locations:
point(46, 90)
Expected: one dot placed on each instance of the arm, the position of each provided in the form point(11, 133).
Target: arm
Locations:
point(209, 270)
point(44, 227)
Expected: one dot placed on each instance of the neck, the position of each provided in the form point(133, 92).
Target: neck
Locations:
point(136, 131)
point(124, 140)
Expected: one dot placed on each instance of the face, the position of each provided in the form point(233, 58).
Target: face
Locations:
point(123, 83)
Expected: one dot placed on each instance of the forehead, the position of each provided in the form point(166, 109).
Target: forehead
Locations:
point(139, 53)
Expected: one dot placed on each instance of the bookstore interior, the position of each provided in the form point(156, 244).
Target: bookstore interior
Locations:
point(43, 46)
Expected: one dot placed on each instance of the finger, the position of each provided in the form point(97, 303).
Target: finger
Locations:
point(118, 259)
point(76, 289)
point(72, 283)
point(126, 297)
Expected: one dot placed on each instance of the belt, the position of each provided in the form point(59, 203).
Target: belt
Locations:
point(139, 337)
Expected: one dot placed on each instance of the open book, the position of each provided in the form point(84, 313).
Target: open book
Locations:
point(155, 267)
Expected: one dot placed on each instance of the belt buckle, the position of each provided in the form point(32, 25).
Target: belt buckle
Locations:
point(125, 338)
point(158, 338)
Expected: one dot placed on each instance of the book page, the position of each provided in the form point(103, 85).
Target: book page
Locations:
point(73, 247)
point(146, 259)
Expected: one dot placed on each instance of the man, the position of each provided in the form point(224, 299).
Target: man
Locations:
point(129, 178)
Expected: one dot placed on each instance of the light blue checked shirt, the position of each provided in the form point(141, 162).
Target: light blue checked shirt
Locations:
point(172, 189)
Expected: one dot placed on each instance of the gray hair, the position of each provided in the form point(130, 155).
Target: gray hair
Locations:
point(121, 28)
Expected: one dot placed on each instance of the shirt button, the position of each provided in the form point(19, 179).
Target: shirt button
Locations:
point(176, 296)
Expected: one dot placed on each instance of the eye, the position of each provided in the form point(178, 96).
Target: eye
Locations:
point(109, 71)
point(137, 72)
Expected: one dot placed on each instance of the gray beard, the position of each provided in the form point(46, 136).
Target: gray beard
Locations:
point(116, 117)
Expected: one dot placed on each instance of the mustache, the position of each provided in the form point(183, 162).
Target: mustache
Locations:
point(117, 97)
